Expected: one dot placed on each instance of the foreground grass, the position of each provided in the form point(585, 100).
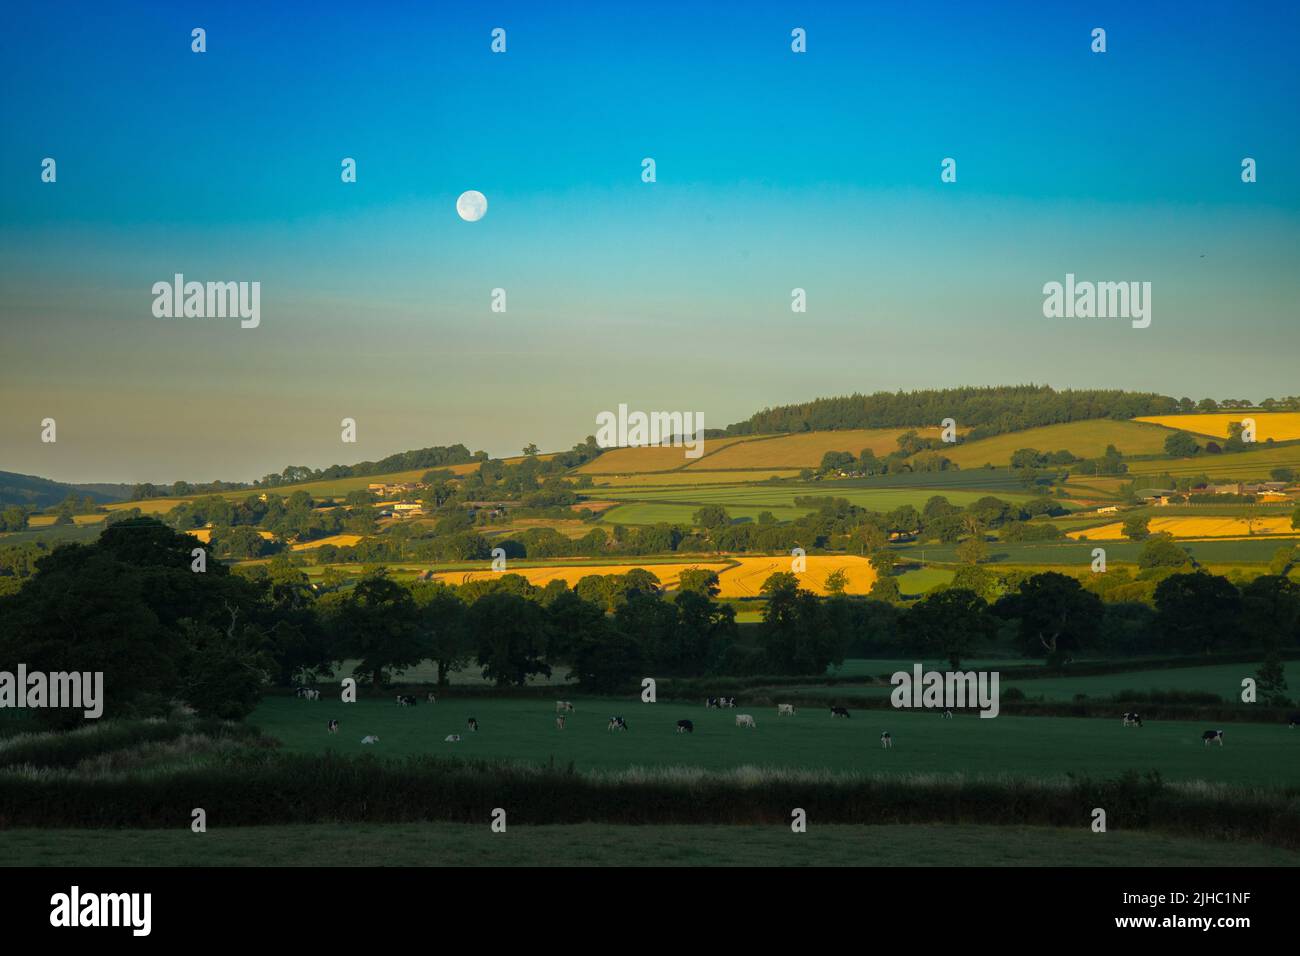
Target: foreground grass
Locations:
point(459, 844)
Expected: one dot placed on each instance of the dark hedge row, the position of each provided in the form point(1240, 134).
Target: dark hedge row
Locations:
point(301, 789)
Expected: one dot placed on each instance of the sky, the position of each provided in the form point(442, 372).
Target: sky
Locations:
point(775, 170)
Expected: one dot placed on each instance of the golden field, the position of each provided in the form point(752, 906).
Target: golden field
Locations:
point(738, 577)
point(1209, 527)
point(338, 540)
point(205, 534)
point(1279, 426)
point(47, 521)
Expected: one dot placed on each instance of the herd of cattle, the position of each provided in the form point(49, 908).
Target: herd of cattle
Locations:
point(563, 708)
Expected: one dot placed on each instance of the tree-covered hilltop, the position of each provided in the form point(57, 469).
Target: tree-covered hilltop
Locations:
point(988, 411)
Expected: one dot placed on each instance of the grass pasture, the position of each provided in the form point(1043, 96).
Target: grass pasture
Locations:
point(1086, 439)
point(523, 730)
point(596, 844)
point(804, 449)
point(1239, 466)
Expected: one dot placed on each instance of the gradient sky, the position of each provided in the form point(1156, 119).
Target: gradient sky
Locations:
point(775, 170)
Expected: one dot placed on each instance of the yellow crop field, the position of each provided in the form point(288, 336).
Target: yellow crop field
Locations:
point(205, 534)
point(804, 449)
point(738, 577)
point(1086, 439)
point(149, 506)
point(1208, 527)
point(628, 461)
point(1279, 426)
point(338, 540)
point(747, 577)
point(46, 521)
point(572, 574)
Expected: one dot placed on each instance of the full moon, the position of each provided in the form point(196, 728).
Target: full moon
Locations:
point(471, 205)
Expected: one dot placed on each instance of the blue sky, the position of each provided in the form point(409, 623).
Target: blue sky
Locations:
point(775, 171)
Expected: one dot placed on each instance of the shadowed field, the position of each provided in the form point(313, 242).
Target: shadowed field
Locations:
point(459, 844)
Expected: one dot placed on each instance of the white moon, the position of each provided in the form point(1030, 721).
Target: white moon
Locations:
point(471, 205)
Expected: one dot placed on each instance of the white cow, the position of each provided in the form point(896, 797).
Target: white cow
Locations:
point(886, 740)
point(745, 720)
point(563, 706)
point(372, 739)
point(451, 739)
point(785, 710)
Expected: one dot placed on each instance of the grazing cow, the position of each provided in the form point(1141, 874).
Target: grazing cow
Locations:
point(1212, 735)
point(745, 720)
point(785, 710)
point(312, 695)
point(1131, 719)
point(406, 700)
point(728, 702)
point(473, 724)
point(432, 699)
point(372, 739)
point(685, 727)
point(947, 713)
point(712, 703)
point(839, 711)
point(563, 706)
point(886, 740)
point(1293, 720)
point(617, 723)
point(333, 726)
point(451, 739)
point(559, 722)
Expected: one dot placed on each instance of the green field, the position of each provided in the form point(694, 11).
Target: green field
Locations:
point(677, 505)
point(1241, 465)
point(591, 844)
point(524, 730)
point(1079, 553)
point(1221, 679)
point(1086, 439)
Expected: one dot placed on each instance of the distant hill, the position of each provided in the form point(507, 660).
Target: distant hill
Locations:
point(986, 411)
point(18, 489)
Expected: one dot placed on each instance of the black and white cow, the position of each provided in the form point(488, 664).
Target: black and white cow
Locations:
point(1212, 735)
point(432, 698)
point(406, 700)
point(1131, 719)
point(728, 702)
point(332, 726)
point(617, 723)
point(886, 740)
point(839, 711)
point(712, 703)
point(472, 723)
point(685, 727)
point(947, 713)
